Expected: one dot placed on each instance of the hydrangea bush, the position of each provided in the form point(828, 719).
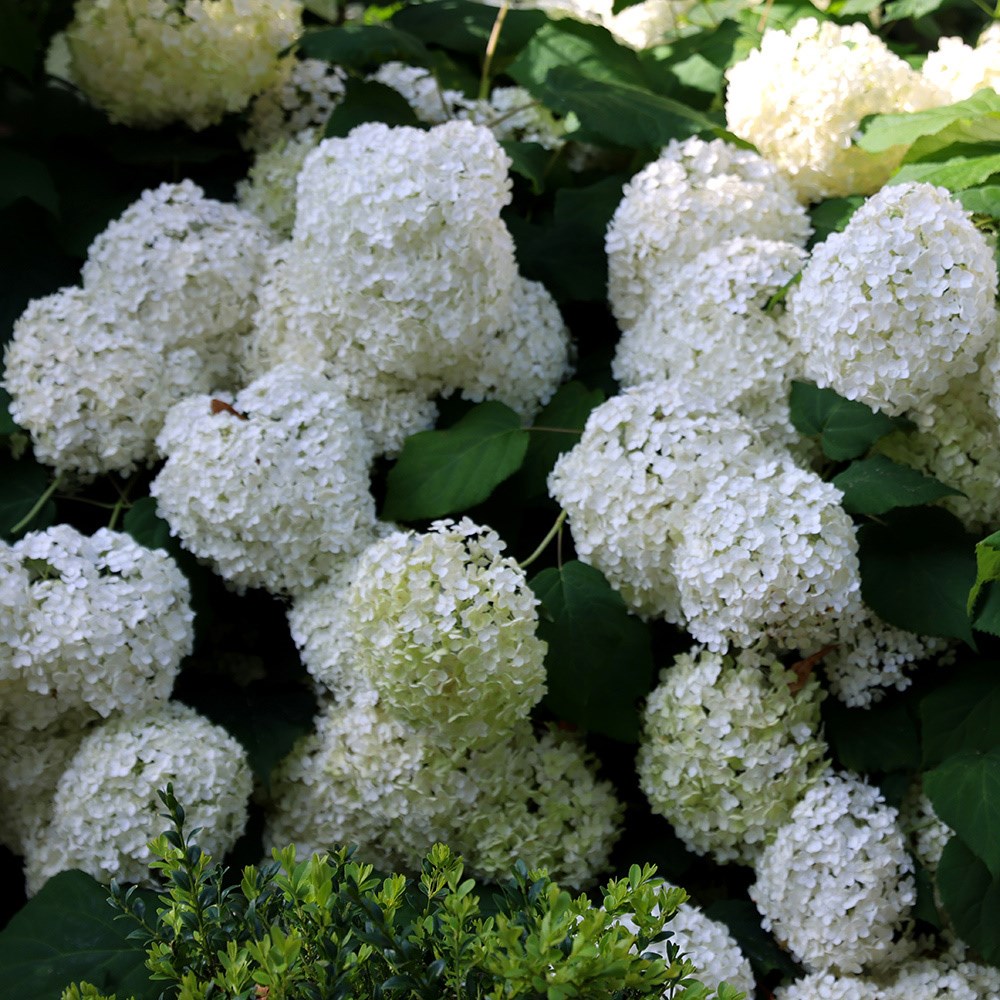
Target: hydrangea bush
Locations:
point(563, 430)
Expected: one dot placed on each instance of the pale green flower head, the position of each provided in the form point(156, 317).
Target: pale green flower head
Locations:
point(729, 745)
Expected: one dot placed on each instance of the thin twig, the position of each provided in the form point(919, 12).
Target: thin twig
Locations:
point(491, 47)
point(553, 531)
point(36, 508)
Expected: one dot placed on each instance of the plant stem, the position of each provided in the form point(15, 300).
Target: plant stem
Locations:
point(491, 47)
point(38, 505)
point(553, 531)
point(123, 501)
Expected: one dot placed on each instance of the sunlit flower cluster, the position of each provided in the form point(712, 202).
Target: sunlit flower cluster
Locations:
point(151, 62)
point(959, 70)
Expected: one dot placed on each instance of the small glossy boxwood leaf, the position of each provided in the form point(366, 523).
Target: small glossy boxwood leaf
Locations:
point(971, 898)
point(963, 714)
point(599, 661)
point(916, 569)
point(369, 101)
point(465, 25)
point(68, 932)
point(877, 484)
point(363, 46)
point(556, 429)
point(873, 740)
point(443, 472)
point(975, 119)
point(743, 920)
point(845, 428)
point(965, 792)
point(22, 484)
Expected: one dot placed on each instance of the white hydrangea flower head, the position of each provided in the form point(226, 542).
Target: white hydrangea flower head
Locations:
point(187, 267)
point(958, 70)
point(15, 613)
point(889, 311)
point(151, 62)
point(512, 114)
point(801, 96)
point(105, 803)
point(871, 657)
point(108, 626)
point(729, 745)
point(836, 883)
point(432, 104)
point(390, 274)
point(827, 986)
point(644, 458)
point(708, 944)
point(365, 778)
point(930, 979)
point(708, 321)
point(301, 99)
point(442, 626)
point(31, 764)
point(954, 443)
point(696, 195)
point(90, 383)
point(524, 363)
point(766, 554)
point(271, 488)
point(927, 832)
point(538, 799)
point(268, 191)
point(639, 26)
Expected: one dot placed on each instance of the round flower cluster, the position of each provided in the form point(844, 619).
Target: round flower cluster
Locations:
point(168, 293)
point(800, 97)
point(107, 624)
point(442, 626)
point(695, 196)
point(639, 26)
point(185, 265)
point(928, 834)
point(836, 882)
point(538, 798)
point(889, 311)
point(708, 322)
point(271, 487)
point(268, 191)
point(106, 801)
point(766, 554)
point(301, 100)
point(729, 745)
point(708, 944)
point(958, 70)
point(151, 62)
point(644, 457)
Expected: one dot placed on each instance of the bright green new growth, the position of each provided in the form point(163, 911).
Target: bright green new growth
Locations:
point(331, 929)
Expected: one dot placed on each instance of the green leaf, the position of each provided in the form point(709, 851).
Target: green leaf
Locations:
point(622, 114)
point(69, 932)
point(877, 484)
point(23, 176)
point(22, 484)
point(619, 5)
point(7, 425)
point(566, 253)
point(987, 616)
point(971, 898)
point(916, 570)
point(465, 26)
point(599, 661)
point(965, 792)
point(899, 9)
point(987, 569)
point(143, 523)
point(743, 920)
point(832, 216)
point(529, 159)
point(975, 119)
point(443, 472)
point(697, 62)
point(955, 174)
point(845, 428)
point(981, 200)
point(363, 46)
point(962, 715)
point(556, 429)
point(369, 101)
point(873, 740)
